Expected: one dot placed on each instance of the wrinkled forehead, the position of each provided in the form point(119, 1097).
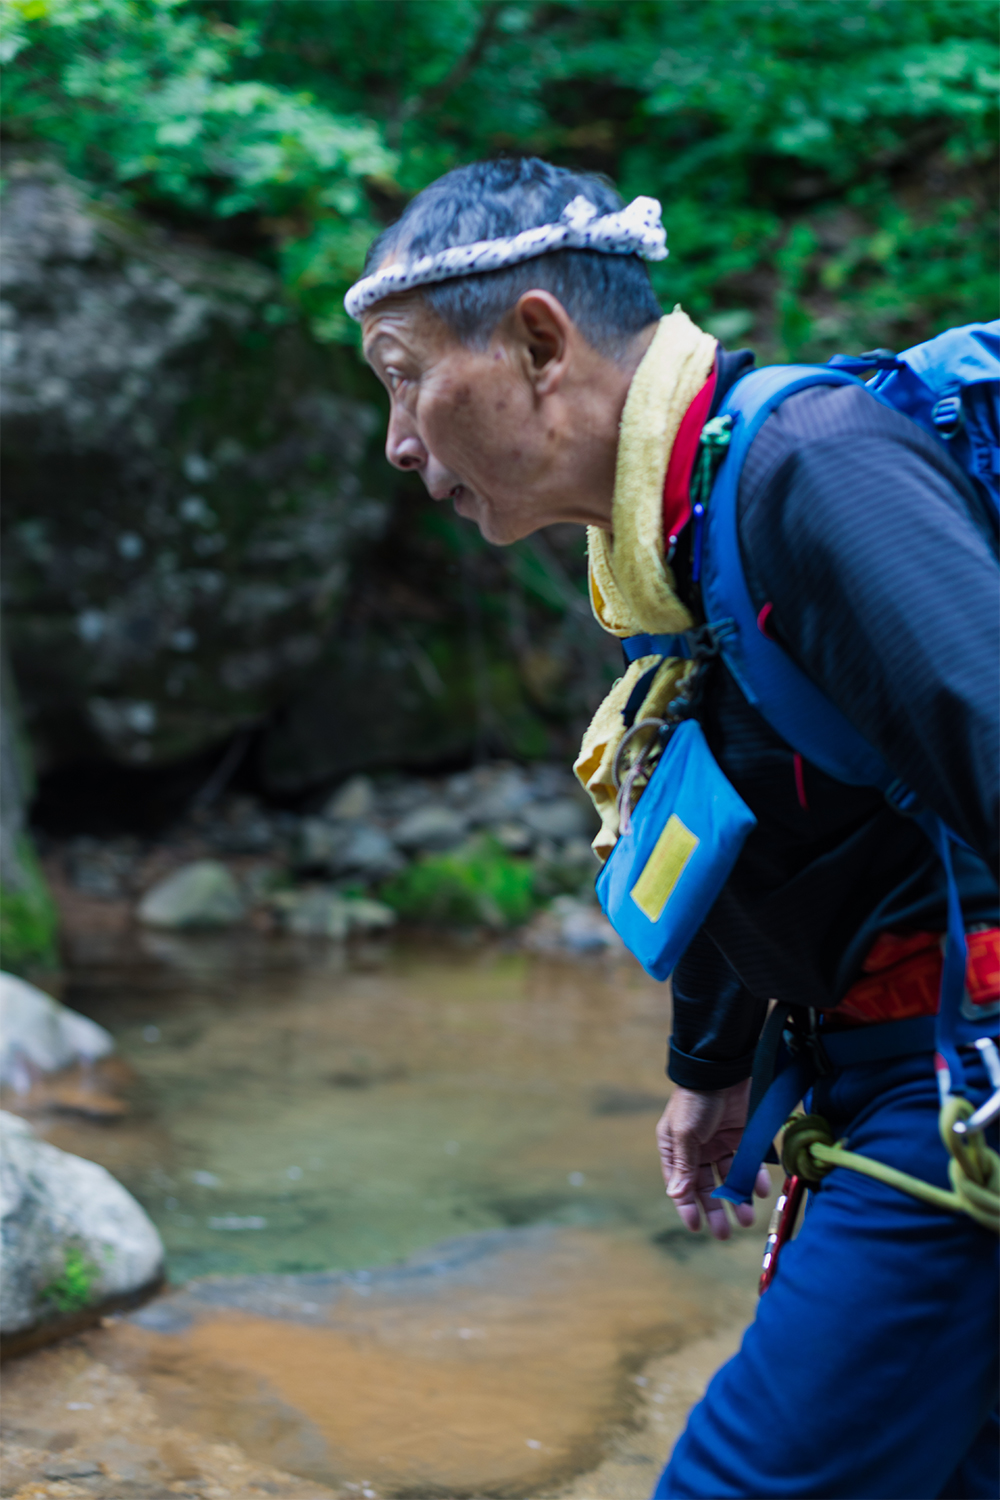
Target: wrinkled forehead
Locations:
point(404, 322)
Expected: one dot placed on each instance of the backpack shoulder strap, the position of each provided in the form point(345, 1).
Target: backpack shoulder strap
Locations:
point(790, 701)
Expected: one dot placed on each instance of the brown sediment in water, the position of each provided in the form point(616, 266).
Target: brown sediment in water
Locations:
point(504, 1374)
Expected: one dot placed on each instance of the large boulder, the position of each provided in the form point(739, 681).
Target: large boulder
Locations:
point(73, 1242)
point(38, 1035)
point(185, 486)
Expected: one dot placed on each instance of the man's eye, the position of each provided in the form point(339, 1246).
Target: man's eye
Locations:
point(394, 380)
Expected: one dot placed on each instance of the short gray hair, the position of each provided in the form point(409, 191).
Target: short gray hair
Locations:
point(609, 297)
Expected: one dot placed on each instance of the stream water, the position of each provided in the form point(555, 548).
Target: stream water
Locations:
point(413, 1213)
point(303, 1110)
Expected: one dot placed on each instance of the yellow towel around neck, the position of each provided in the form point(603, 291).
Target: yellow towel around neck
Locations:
point(631, 583)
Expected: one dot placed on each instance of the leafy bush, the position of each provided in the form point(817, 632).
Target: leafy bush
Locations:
point(826, 166)
point(479, 884)
point(28, 918)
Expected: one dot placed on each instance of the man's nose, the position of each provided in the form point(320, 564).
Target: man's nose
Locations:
point(403, 448)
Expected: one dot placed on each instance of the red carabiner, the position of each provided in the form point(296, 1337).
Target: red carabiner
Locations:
point(781, 1228)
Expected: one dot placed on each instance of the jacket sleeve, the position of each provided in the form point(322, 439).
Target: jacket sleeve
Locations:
point(716, 1021)
point(885, 590)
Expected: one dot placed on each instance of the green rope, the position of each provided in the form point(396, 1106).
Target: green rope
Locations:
point(808, 1151)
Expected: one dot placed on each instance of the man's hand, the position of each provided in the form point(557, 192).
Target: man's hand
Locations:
point(696, 1132)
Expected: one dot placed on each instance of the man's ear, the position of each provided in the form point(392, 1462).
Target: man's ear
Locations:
point(545, 333)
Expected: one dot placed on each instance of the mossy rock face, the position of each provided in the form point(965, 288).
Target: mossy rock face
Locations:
point(202, 536)
point(186, 481)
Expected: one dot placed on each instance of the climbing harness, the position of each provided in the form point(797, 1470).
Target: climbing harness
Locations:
point(809, 1152)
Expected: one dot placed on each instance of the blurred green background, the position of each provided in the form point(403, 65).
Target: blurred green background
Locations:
point(204, 545)
point(824, 165)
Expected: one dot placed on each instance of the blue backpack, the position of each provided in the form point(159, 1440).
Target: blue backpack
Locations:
point(949, 386)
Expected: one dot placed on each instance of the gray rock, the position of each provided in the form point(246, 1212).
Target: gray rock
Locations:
point(431, 828)
point(577, 852)
point(516, 838)
point(315, 842)
point(71, 1468)
point(38, 1035)
point(355, 799)
point(369, 852)
point(347, 849)
point(585, 929)
point(316, 911)
point(71, 1237)
point(201, 894)
point(571, 925)
point(559, 818)
point(496, 794)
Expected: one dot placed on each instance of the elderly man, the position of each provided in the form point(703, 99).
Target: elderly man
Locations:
point(510, 316)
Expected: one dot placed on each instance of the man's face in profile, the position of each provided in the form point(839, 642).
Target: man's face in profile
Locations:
point(519, 434)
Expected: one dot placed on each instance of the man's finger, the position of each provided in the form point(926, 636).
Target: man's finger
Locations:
point(714, 1211)
point(689, 1215)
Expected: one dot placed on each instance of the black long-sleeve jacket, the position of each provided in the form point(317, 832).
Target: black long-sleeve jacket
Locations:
point(878, 559)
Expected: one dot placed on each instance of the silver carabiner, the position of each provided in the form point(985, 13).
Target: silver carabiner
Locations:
point(990, 1111)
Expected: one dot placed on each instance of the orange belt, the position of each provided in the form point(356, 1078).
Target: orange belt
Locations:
point(902, 977)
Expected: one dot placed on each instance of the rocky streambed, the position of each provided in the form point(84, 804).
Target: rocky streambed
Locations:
point(494, 848)
point(415, 1232)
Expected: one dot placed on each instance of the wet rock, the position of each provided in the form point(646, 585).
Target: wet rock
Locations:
point(354, 800)
point(317, 911)
point(72, 1240)
point(38, 1035)
point(71, 1468)
point(100, 870)
point(559, 818)
point(315, 842)
point(578, 852)
point(516, 838)
point(200, 894)
point(368, 852)
point(431, 829)
point(572, 925)
point(346, 849)
point(494, 794)
point(244, 828)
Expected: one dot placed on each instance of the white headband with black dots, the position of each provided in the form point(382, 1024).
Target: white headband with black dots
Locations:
point(634, 230)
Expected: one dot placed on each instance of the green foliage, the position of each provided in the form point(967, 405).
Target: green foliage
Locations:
point(28, 918)
point(476, 885)
point(72, 1290)
point(825, 165)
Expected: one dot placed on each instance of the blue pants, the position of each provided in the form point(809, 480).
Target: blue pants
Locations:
point(871, 1370)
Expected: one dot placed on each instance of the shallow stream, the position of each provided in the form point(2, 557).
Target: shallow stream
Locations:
point(421, 1183)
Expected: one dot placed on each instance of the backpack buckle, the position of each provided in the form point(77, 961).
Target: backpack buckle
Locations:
point(946, 414)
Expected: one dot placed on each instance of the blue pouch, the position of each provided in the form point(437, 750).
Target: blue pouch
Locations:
point(663, 875)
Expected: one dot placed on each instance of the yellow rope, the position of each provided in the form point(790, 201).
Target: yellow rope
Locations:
point(808, 1151)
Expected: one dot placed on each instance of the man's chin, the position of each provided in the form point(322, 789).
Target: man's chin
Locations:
point(500, 531)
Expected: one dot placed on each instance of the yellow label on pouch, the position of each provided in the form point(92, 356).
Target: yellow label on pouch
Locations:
point(664, 868)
